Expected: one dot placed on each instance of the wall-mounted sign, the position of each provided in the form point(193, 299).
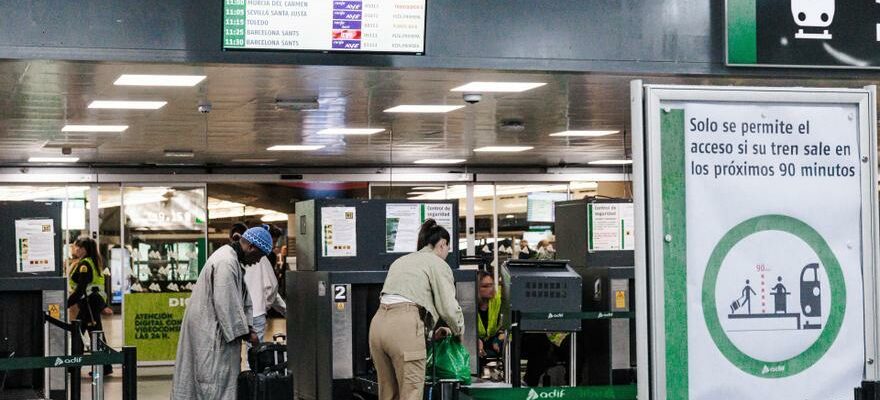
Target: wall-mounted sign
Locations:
point(403, 222)
point(385, 26)
point(152, 323)
point(803, 33)
point(34, 245)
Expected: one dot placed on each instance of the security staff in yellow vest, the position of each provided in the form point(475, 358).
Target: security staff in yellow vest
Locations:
point(489, 328)
point(418, 292)
point(88, 293)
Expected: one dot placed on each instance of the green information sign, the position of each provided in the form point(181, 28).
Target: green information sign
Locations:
point(152, 323)
point(803, 33)
point(621, 392)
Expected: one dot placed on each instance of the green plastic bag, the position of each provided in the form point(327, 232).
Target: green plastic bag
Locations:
point(451, 359)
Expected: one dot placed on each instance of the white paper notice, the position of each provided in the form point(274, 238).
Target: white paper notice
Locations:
point(35, 245)
point(611, 227)
point(403, 222)
point(338, 232)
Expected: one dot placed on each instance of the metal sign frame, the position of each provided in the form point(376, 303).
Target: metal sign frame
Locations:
point(647, 101)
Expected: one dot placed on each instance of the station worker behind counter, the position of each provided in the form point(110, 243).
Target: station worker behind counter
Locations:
point(418, 285)
point(216, 320)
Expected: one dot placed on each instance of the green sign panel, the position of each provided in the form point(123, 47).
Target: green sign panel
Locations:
point(621, 392)
point(152, 323)
point(803, 33)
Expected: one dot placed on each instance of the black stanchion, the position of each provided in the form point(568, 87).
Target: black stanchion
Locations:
point(129, 373)
point(515, 349)
point(77, 348)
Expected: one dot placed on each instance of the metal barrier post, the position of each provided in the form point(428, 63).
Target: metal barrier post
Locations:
point(129, 373)
point(76, 349)
point(572, 360)
point(97, 370)
point(516, 333)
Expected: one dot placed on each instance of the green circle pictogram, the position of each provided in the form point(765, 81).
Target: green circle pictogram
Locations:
point(804, 360)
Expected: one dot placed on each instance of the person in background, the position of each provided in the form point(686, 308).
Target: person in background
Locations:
point(88, 294)
point(263, 287)
point(545, 250)
point(237, 230)
point(418, 292)
point(216, 320)
point(524, 251)
point(489, 328)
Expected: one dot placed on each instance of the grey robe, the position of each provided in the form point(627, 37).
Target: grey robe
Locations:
point(209, 351)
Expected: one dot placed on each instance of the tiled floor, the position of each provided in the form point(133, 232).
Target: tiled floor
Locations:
point(153, 382)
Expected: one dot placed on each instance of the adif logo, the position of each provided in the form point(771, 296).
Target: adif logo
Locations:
point(61, 361)
point(555, 316)
point(778, 368)
point(553, 394)
point(605, 315)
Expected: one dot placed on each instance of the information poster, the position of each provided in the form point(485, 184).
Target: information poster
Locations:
point(403, 222)
point(152, 323)
point(763, 250)
point(395, 26)
point(35, 245)
point(338, 232)
point(612, 227)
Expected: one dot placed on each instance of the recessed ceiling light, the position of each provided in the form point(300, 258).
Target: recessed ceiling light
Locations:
point(127, 104)
point(611, 162)
point(426, 109)
point(296, 147)
point(584, 133)
point(417, 193)
point(158, 80)
point(53, 159)
point(180, 153)
point(428, 188)
point(500, 87)
point(350, 131)
point(503, 149)
point(94, 128)
point(440, 161)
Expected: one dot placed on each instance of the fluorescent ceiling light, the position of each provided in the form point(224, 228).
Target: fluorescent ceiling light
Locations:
point(426, 109)
point(127, 104)
point(499, 87)
point(53, 159)
point(583, 133)
point(611, 162)
point(296, 147)
point(254, 160)
point(503, 149)
point(278, 217)
point(440, 161)
point(94, 128)
point(417, 193)
point(158, 80)
point(350, 131)
point(179, 153)
point(428, 188)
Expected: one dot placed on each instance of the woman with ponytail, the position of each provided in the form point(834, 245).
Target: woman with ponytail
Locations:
point(418, 292)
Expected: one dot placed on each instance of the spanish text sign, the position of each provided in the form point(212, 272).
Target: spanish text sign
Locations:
point(768, 233)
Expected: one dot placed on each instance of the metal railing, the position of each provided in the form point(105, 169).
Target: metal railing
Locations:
point(101, 354)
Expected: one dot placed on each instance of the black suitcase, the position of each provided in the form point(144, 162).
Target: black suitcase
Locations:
point(268, 355)
point(265, 386)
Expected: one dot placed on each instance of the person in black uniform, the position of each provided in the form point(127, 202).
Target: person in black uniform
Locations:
point(88, 294)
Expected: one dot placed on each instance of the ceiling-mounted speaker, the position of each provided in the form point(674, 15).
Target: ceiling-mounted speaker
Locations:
point(512, 125)
point(297, 104)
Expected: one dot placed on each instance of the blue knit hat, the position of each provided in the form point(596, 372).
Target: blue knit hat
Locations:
point(259, 237)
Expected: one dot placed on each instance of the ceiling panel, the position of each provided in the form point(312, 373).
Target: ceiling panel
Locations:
point(37, 98)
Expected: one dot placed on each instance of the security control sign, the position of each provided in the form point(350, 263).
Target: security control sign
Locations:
point(803, 33)
point(766, 234)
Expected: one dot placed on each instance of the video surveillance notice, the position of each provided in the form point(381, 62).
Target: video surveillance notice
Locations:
point(771, 216)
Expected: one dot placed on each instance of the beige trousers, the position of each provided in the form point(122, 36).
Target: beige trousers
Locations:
point(397, 345)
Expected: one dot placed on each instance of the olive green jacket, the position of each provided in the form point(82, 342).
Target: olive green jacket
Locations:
point(426, 280)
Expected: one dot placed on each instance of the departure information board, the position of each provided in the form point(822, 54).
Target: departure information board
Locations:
point(381, 26)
